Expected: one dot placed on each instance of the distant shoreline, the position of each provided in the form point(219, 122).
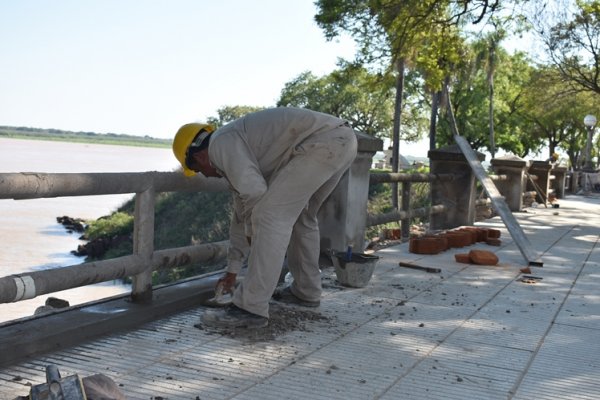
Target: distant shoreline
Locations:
point(55, 135)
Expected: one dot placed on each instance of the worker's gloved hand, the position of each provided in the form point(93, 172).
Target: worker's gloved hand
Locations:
point(226, 284)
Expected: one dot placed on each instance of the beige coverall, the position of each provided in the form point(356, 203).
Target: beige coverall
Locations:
point(281, 164)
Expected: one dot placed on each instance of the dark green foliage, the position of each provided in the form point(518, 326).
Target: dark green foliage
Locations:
point(185, 217)
point(118, 223)
point(181, 219)
point(380, 202)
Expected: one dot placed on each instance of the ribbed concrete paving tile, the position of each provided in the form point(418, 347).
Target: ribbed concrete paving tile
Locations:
point(578, 346)
point(506, 331)
point(472, 287)
point(401, 284)
point(581, 311)
point(483, 354)
point(566, 366)
point(308, 381)
point(419, 320)
point(350, 307)
point(539, 301)
point(453, 379)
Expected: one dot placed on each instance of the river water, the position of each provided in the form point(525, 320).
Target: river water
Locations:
point(31, 238)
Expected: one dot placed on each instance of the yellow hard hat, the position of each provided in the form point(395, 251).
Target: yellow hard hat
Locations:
point(184, 138)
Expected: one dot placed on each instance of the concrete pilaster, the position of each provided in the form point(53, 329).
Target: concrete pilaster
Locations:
point(343, 216)
point(541, 169)
point(513, 187)
point(458, 195)
point(558, 183)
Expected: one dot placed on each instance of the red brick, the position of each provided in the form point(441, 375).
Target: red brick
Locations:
point(472, 234)
point(458, 239)
point(494, 242)
point(462, 258)
point(483, 257)
point(493, 233)
point(427, 245)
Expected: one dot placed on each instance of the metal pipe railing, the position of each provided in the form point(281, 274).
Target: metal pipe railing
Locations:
point(144, 259)
point(31, 185)
point(31, 284)
point(388, 177)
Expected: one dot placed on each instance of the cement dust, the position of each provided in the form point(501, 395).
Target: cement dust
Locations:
point(282, 319)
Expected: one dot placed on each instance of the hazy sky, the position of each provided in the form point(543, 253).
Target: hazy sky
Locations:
point(145, 67)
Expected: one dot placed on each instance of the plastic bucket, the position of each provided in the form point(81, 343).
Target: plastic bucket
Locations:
point(355, 272)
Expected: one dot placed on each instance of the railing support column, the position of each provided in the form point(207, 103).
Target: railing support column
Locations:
point(458, 196)
point(143, 245)
point(559, 182)
point(405, 223)
point(343, 216)
point(541, 169)
point(514, 186)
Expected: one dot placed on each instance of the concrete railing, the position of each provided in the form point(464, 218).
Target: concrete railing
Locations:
point(343, 218)
point(342, 221)
point(144, 259)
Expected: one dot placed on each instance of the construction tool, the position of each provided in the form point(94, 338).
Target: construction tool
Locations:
point(430, 270)
point(532, 257)
point(219, 299)
point(57, 388)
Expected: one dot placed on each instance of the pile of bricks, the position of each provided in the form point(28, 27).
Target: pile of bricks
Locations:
point(460, 237)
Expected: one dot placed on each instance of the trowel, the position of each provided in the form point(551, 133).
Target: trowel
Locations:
point(219, 299)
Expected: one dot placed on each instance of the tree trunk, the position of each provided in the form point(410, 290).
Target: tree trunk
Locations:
point(490, 76)
point(435, 102)
point(396, 129)
point(491, 117)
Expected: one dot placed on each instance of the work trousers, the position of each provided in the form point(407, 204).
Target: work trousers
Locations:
point(285, 219)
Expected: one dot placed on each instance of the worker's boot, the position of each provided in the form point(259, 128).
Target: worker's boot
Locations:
point(285, 295)
point(233, 317)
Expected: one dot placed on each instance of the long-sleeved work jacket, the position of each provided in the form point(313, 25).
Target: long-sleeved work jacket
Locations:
point(251, 153)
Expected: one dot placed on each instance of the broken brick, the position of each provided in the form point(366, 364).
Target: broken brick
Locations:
point(462, 258)
point(458, 239)
point(493, 242)
point(483, 257)
point(493, 233)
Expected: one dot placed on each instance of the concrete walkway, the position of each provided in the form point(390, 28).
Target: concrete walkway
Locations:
point(469, 332)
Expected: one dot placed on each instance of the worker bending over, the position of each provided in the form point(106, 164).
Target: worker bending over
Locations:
point(281, 164)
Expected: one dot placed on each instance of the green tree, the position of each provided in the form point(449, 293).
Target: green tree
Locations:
point(471, 101)
point(573, 44)
point(230, 113)
point(393, 32)
point(555, 113)
point(487, 56)
point(351, 92)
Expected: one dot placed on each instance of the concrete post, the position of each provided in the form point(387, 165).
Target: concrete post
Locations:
point(541, 169)
point(514, 186)
point(558, 183)
point(343, 216)
point(574, 182)
point(458, 195)
point(143, 245)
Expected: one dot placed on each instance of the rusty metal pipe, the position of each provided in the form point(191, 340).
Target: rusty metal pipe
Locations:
point(28, 285)
point(31, 185)
point(381, 177)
